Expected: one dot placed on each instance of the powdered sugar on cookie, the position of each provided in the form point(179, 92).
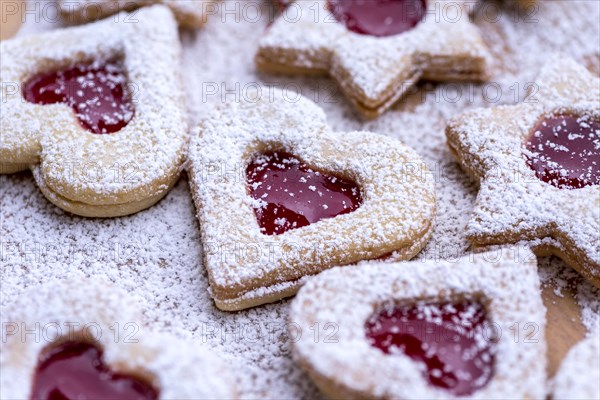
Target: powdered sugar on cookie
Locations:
point(88, 310)
point(579, 374)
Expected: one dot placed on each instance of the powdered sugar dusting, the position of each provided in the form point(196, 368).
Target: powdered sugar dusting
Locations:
point(583, 360)
point(77, 309)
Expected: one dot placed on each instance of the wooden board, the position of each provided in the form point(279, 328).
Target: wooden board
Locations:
point(564, 328)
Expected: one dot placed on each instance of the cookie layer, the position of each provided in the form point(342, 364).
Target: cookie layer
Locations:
point(190, 14)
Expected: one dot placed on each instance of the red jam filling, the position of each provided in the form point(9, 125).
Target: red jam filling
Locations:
point(96, 93)
point(76, 371)
point(378, 17)
point(292, 195)
point(564, 151)
point(446, 338)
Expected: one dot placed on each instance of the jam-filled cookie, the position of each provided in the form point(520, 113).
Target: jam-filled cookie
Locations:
point(538, 163)
point(86, 339)
point(376, 49)
point(281, 197)
point(579, 373)
point(425, 329)
point(190, 14)
point(96, 112)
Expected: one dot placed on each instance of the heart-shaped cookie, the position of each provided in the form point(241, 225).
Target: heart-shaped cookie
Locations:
point(96, 112)
point(321, 198)
point(86, 339)
point(425, 329)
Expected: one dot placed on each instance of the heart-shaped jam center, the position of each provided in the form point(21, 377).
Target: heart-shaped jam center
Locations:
point(97, 94)
point(290, 195)
point(75, 371)
point(378, 17)
point(564, 150)
point(447, 338)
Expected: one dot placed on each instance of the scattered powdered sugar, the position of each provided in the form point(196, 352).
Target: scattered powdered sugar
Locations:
point(156, 254)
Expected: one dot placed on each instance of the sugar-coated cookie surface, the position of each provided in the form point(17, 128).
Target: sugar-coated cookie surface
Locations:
point(247, 266)
point(189, 13)
point(579, 374)
point(94, 311)
point(89, 174)
point(532, 191)
point(347, 365)
point(374, 72)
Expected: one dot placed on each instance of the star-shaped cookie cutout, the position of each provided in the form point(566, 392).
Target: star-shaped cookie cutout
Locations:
point(527, 193)
point(375, 71)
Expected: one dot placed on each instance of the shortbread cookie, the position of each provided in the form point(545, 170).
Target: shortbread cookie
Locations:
point(425, 329)
point(375, 50)
point(190, 14)
point(579, 374)
point(538, 163)
point(280, 197)
point(96, 112)
point(86, 339)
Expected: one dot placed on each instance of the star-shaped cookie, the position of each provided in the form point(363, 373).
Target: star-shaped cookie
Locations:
point(375, 69)
point(538, 165)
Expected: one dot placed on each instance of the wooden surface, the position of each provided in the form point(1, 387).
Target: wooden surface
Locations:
point(564, 328)
point(10, 19)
